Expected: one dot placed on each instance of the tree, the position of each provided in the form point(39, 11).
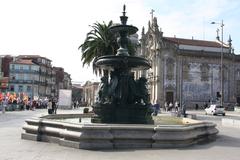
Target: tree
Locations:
point(99, 42)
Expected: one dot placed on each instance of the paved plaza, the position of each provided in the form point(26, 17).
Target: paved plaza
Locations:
point(14, 148)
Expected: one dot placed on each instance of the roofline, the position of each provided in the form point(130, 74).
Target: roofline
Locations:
point(218, 42)
point(32, 56)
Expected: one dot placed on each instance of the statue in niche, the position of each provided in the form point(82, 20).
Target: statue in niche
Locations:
point(170, 69)
point(150, 43)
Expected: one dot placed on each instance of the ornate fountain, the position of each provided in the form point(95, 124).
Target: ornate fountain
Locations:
point(121, 98)
point(123, 103)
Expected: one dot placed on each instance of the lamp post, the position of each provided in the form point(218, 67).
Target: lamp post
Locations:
point(221, 24)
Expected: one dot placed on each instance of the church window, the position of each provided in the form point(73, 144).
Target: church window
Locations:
point(170, 69)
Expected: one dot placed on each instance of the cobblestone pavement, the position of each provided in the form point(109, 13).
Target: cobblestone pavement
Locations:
point(12, 147)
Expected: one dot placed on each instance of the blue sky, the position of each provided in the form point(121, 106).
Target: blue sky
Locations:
point(55, 28)
point(187, 18)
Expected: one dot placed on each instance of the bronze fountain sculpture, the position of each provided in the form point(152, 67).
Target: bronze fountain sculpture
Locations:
point(121, 98)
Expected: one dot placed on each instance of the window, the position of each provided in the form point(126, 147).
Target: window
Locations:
point(20, 88)
point(12, 66)
point(20, 76)
point(29, 88)
point(11, 88)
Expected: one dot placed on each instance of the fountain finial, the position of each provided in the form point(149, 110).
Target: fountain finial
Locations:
point(124, 17)
point(124, 8)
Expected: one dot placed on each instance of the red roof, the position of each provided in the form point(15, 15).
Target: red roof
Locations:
point(23, 61)
point(193, 42)
point(31, 57)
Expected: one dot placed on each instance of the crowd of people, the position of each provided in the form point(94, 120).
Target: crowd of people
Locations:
point(168, 107)
point(12, 101)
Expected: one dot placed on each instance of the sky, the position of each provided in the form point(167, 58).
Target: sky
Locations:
point(56, 28)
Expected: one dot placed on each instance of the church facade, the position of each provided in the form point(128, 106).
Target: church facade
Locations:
point(189, 70)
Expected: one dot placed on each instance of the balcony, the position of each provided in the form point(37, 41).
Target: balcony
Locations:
point(24, 71)
point(23, 81)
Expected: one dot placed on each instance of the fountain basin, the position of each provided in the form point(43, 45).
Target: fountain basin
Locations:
point(96, 136)
point(125, 28)
point(112, 61)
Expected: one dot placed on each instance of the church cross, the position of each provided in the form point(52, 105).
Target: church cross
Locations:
point(152, 13)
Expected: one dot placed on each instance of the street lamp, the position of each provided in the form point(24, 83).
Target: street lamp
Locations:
point(221, 98)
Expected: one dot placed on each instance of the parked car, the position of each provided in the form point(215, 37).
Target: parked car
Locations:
point(215, 109)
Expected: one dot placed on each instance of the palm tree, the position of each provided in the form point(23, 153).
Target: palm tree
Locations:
point(99, 42)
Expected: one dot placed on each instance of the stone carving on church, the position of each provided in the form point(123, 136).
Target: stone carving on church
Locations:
point(152, 39)
point(204, 68)
point(170, 87)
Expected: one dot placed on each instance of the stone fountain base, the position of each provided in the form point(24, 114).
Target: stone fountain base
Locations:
point(122, 114)
point(110, 136)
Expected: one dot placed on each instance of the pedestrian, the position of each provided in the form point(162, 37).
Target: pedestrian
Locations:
point(3, 108)
point(170, 106)
point(156, 108)
point(176, 106)
point(196, 107)
point(49, 107)
point(4, 104)
point(166, 106)
point(54, 108)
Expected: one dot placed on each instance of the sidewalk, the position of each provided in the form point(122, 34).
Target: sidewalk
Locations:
point(202, 112)
point(14, 148)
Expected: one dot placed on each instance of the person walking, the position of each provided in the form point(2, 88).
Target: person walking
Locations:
point(166, 106)
point(176, 106)
point(49, 107)
point(156, 107)
point(54, 108)
point(4, 105)
point(170, 106)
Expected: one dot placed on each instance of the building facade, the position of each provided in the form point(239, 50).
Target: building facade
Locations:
point(46, 75)
point(24, 77)
point(189, 70)
point(32, 75)
point(90, 91)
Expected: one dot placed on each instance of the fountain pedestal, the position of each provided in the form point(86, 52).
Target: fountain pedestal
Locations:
point(130, 114)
